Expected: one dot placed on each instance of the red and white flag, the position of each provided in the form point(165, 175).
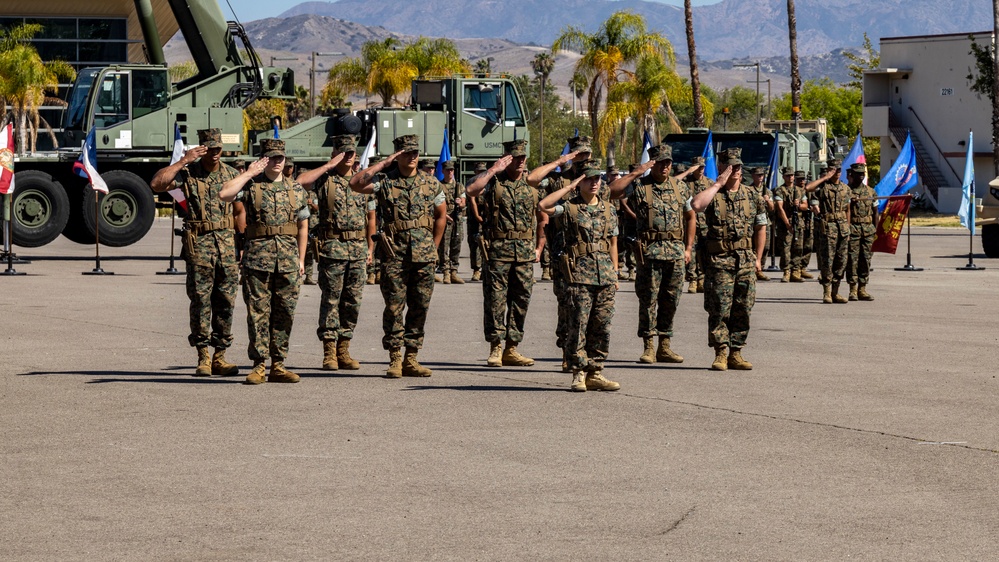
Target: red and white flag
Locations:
point(178, 153)
point(7, 159)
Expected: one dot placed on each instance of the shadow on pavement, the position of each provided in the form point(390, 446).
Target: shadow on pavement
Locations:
point(491, 388)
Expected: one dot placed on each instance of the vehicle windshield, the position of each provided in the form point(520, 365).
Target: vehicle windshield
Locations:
point(77, 110)
point(482, 101)
point(512, 109)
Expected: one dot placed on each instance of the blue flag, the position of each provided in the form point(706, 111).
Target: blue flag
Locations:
point(276, 135)
point(855, 156)
point(901, 177)
point(967, 212)
point(444, 157)
point(710, 164)
point(774, 162)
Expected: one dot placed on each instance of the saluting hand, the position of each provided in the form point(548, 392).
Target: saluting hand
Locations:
point(194, 153)
point(259, 166)
point(501, 164)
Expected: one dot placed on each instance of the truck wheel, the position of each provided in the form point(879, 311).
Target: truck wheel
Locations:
point(41, 209)
point(126, 211)
point(990, 240)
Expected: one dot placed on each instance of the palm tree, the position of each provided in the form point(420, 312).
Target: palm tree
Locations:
point(792, 32)
point(543, 64)
point(620, 40)
point(26, 79)
point(578, 84)
point(695, 79)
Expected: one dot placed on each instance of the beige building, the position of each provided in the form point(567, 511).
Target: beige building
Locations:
point(922, 87)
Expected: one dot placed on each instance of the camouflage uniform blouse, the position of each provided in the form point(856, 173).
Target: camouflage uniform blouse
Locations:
point(589, 224)
point(665, 204)
point(201, 188)
point(510, 218)
point(788, 195)
point(730, 219)
point(697, 186)
point(833, 200)
point(343, 219)
point(862, 212)
point(406, 209)
point(452, 192)
point(273, 204)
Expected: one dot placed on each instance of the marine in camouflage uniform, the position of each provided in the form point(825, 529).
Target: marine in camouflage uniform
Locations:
point(342, 239)
point(810, 235)
point(863, 231)
point(411, 205)
point(626, 224)
point(736, 219)
point(665, 234)
point(209, 248)
point(450, 249)
point(550, 181)
point(696, 183)
point(787, 236)
point(277, 230)
point(830, 200)
point(757, 185)
point(514, 238)
point(589, 266)
point(475, 230)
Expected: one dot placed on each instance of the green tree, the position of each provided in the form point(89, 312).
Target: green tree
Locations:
point(543, 64)
point(740, 102)
point(840, 106)
point(560, 124)
point(621, 40)
point(983, 82)
point(25, 81)
point(868, 59)
point(182, 71)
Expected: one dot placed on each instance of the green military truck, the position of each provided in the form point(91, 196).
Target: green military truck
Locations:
point(134, 108)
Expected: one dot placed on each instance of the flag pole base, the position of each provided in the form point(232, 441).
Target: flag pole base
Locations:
point(908, 267)
point(98, 271)
point(970, 267)
point(12, 271)
point(171, 271)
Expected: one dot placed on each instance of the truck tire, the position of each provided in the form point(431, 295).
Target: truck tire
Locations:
point(41, 209)
point(126, 211)
point(990, 240)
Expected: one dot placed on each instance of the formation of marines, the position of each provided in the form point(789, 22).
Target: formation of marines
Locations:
point(396, 224)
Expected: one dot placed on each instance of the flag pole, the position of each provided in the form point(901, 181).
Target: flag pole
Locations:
point(8, 236)
point(172, 270)
point(97, 239)
point(908, 243)
point(971, 255)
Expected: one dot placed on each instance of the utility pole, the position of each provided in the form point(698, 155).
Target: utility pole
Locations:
point(759, 107)
point(312, 80)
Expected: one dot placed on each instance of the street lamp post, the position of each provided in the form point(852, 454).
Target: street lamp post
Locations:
point(312, 80)
point(281, 58)
point(759, 109)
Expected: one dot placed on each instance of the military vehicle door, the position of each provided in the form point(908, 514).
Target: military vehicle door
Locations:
point(126, 109)
point(480, 124)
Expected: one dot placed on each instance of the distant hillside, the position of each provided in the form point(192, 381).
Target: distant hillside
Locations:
point(727, 30)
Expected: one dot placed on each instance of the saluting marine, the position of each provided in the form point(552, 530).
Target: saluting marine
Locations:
point(830, 200)
point(863, 231)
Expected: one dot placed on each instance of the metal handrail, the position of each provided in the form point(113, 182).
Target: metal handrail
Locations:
point(935, 145)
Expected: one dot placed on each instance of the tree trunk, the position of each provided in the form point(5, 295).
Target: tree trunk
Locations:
point(541, 155)
point(792, 33)
point(995, 89)
point(592, 102)
point(22, 128)
point(695, 79)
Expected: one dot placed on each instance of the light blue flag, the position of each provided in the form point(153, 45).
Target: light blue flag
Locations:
point(901, 177)
point(967, 212)
point(774, 162)
point(444, 157)
point(710, 164)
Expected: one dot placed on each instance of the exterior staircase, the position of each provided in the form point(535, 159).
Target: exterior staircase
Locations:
point(930, 174)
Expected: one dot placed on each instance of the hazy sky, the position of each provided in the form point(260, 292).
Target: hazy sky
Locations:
point(249, 10)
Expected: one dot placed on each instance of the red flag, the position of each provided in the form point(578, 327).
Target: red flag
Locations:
point(891, 223)
point(7, 159)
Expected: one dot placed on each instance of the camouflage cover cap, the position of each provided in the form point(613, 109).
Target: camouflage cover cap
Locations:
point(289, 161)
point(697, 160)
point(580, 144)
point(613, 170)
point(271, 147)
point(210, 138)
point(632, 167)
point(515, 147)
point(679, 168)
point(785, 171)
point(448, 165)
point(426, 163)
point(480, 167)
point(799, 175)
point(835, 163)
point(661, 152)
point(758, 171)
point(344, 143)
point(731, 156)
point(859, 168)
point(592, 168)
point(407, 143)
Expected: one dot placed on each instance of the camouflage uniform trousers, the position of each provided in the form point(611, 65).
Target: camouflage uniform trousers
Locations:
point(858, 262)
point(449, 250)
point(658, 285)
point(563, 307)
point(591, 308)
point(546, 258)
point(809, 239)
point(834, 243)
point(405, 286)
point(310, 257)
point(270, 299)
point(695, 270)
point(474, 252)
point(212, 290)
point(728, 299)
point(790, 247)
point(506, 295)
point(342, 284)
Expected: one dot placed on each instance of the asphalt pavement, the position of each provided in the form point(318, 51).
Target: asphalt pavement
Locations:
point(865, 431)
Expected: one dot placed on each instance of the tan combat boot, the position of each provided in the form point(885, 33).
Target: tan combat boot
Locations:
point(853, 292)
point(280, 374)
point(330, 362)
point(838, 298)
point(692, 287)
point(378, 277)
point(495, 355)
point(513, 358)
point(649, 354)
point(826, 294)
point(796, 276)
point(806, 275)
point(343, 356)
point(394, 370)
point(578, 381)
point(546, 274)
point(221, 367)
point(665, 354)
point(862, 293)
point(595, 381)
point(476, 275)
point(760, 276)
point(700, 285)
point(721, 359)
point(411, 367)
point(444, 277)
point(371, 278)
point(204, 363)
point(455, 279)
point(787, 276)
point(735, 361)
point(257, 374)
